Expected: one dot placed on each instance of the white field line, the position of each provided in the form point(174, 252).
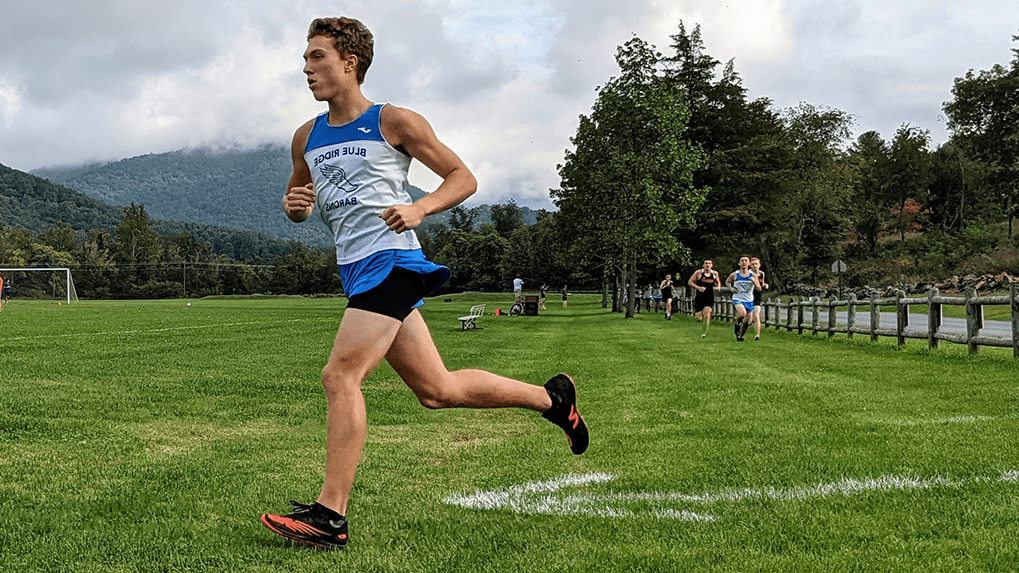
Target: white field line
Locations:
point(155, 330)
point(961, 419)
point(543, 498)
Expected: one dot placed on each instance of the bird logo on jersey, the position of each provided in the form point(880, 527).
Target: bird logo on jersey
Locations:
point(338, 177)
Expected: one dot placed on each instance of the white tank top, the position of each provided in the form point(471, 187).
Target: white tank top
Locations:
point(358, 175)
point(744, 285)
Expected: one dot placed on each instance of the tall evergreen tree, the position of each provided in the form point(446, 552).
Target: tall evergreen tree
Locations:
point(628, 185)
point(136, 248)
point(743, 141)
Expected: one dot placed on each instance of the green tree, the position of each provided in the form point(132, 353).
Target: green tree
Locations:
point(807, 217)
point(628, 185)
point(910, 174)
point(462, 218)
point(868, 158)
point(949, 192)
point(61, 237)
point(474, 260)
point(237, 279)
point(189, 262)
point(299, 272)
point(983, 118)
point(13, 246)
point(136, 248)
point(97, 264)
point(747, 156)
point(507, 218)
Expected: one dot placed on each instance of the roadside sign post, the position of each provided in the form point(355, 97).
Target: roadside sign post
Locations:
point(839, 267)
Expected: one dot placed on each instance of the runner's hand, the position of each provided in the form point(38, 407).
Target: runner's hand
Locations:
point(299, 202)
point(401, 218)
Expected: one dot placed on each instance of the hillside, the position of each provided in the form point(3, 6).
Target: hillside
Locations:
point(34, 204)
point(239, 189)
point(235, 188)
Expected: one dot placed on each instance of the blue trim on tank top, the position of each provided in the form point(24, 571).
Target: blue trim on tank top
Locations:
point(367, 127)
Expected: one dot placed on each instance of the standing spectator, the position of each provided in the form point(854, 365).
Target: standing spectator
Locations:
point(518, 288)
point(565, 294)
point(544, 295)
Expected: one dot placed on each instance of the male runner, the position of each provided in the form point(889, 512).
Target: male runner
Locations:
point(755, 265)
point(744, 282)
point(351, 163)
point(666, 287)
point(704, 280)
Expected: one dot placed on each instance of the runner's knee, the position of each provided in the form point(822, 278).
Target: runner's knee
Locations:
point(341, 377)
point(435, 396)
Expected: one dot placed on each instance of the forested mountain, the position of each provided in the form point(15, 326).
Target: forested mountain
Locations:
point(240, 189)
point(235, 188)
point(34, 204)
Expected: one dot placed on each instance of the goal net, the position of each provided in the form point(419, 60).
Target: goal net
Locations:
point(40, 283)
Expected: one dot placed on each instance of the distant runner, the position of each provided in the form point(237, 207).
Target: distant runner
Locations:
point(744, 282)
point(704, 280)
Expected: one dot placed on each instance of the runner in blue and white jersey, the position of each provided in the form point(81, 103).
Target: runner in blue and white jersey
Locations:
point(351, 164)
point(742, 281)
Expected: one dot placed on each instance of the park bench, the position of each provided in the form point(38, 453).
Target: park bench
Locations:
point(469, 322)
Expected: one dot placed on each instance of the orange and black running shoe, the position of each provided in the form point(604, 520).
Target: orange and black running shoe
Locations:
point(564, 414)
point(315, 525)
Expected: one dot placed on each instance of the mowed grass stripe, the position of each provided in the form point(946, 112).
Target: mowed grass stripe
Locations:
point(156, 450)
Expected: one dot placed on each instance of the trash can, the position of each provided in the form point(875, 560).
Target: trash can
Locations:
point(530, 305)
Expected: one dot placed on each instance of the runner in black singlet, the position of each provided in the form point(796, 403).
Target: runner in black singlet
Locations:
point(666, 287)
point(704, 280)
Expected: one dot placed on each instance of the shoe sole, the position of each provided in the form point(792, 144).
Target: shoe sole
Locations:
point(297, 537)
point(580, 418)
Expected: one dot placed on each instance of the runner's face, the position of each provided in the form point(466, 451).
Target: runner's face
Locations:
point(744, 263)
point(324, 67)
point(708, 265)
point(755, 264)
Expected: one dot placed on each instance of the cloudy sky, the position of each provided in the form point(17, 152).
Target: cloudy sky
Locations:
point(501, 82)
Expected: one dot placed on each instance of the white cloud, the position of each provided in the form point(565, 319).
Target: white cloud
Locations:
point(502, 83)
point(10, 103)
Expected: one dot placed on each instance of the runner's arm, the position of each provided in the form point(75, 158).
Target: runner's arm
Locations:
point(694, 284)
point(411, 133)
point(299, 200)
point(728, 281)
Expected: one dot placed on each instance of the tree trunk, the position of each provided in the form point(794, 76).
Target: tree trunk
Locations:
point(631, 290)
point(616, 295)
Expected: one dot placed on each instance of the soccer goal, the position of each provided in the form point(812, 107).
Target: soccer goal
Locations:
point(33, 282)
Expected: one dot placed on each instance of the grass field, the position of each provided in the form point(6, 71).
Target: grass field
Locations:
point(149, 436)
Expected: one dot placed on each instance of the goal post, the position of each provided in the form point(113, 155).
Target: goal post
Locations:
point(65, 280)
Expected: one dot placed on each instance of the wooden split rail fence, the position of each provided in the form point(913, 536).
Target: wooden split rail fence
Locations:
point(800, 314)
